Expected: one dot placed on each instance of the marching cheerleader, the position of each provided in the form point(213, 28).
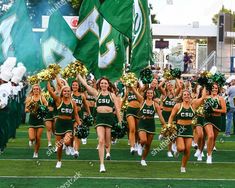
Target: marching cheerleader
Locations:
point(184, 113)
point(146, 126)
point(66, 110)
point(36, 124)
point(213, 123)
point(80, 100)
point(105, 102)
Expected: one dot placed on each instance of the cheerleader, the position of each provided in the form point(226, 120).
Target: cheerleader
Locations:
point(105, 102)
point(66, 110)
point(184, 113)
point(36, 124)
point(146, 126)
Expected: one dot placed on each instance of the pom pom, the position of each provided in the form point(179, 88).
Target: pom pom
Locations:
point(205, 79)
point(42, 111)
point(176, 73)
point(167, 74)
point(129, 79)
point(119, 130)
point(219, 78)
point(82, 131)
point(169, 131)
point(146, 76)
point(209, 105)
point(88, 121)
point(33, 79)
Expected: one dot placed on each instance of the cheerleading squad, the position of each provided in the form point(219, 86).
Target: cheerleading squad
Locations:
point(132, 108)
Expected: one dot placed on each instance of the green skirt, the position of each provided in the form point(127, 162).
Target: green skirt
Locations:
point(200, 121)
point(147, 125)
point(35, 122)
point(132, 112)
point(185, 131)
point(62, 126)
point(215, 121)
point(105, 120)
point(49, 116)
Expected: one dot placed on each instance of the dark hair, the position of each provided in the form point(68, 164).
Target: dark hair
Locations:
point(75, 81)
point(145, 93)
point(110, 88)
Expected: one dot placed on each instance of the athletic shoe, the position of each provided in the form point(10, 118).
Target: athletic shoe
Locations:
point(173, 147)
point(58, 164)
point(35, 155)
point(214, 149)
point(108, 157)
point(132, 150)
point(97, 146)
point(199, 157)
point(84, 141)
point(205, 147)
point(72, 151)
point(128, 143)
point(169, 154)
point(102, 168)
point(197, 153)
point(67, 150)
point(160, 137)
point(182, 169)
point(136, 146)
point(176, 154)
point(49, 144)
point(140, 150)
point(76, 154)
point(203, 154)
point(194, 145)
point(209, 159)
point(64, 147)
point(143, 163)
point(30, 143)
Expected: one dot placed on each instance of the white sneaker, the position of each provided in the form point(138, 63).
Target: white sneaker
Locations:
point(205, 147)
point(199, 157)
point(160, 137)
point(30, 143)
point(136, 147)
point(132, 150)
point(72, 151)
point(102, 168)
point(176, 154)
point(140, 150)
point(35, 155)
point(76, 154)
point(108, 157)
point(169, 154)
point(197, 153)
point(97, 146)
point(58, 164)
point(67, 150)
point(209, 159)
point(128, 143)
point(203, 154)
point(64, 147)
point(214, 149)
point(56, 149)
point(173, 147)
point(49, 144)
point(183, 169)
point(84, 141)
point(143, 163)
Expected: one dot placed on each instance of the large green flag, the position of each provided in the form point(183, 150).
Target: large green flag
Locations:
point(17, 38)
point(131, 17)
point(119, 14)
point(101, 48)
point(58, 42)
point(141, 48)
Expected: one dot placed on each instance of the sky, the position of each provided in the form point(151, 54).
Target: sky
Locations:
point(185, 12)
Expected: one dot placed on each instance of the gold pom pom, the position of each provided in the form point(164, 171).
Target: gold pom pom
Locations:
point(45, 75)
point(129, 79)
point(33, 79)
point(46, 95)
point(167, 74)
point(125, 105)
point(33, 107)
point(169, 131)
point(54, 70)
point(74, 68)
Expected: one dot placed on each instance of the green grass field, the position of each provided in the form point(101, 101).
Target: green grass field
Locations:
point(18, 169)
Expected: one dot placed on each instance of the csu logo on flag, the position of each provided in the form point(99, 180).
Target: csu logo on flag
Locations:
point(139, 23)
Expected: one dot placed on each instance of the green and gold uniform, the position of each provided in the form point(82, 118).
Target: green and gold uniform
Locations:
point(50, 114)
point(147, 122)
point(62, 126)
point(216, 121)
point(105, 119)
point(79, 103)
point(34, 121)
point(185, 131)
point(92, 108)
point(169, 103)
point(200, 118)
point(132, 111)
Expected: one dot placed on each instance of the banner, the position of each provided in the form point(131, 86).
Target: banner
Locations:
point(58, 42)
point(17, 38)
point(101, 48)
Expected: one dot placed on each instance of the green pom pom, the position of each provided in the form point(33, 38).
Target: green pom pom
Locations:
point(146, 76)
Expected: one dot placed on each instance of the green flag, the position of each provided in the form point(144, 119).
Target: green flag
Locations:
point(131, 17)
point(101, 48)
point(17, 38)
point(141, 49)
point(58, 42)
point(119, 14)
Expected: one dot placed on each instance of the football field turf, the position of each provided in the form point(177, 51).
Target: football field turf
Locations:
point(18, 169)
